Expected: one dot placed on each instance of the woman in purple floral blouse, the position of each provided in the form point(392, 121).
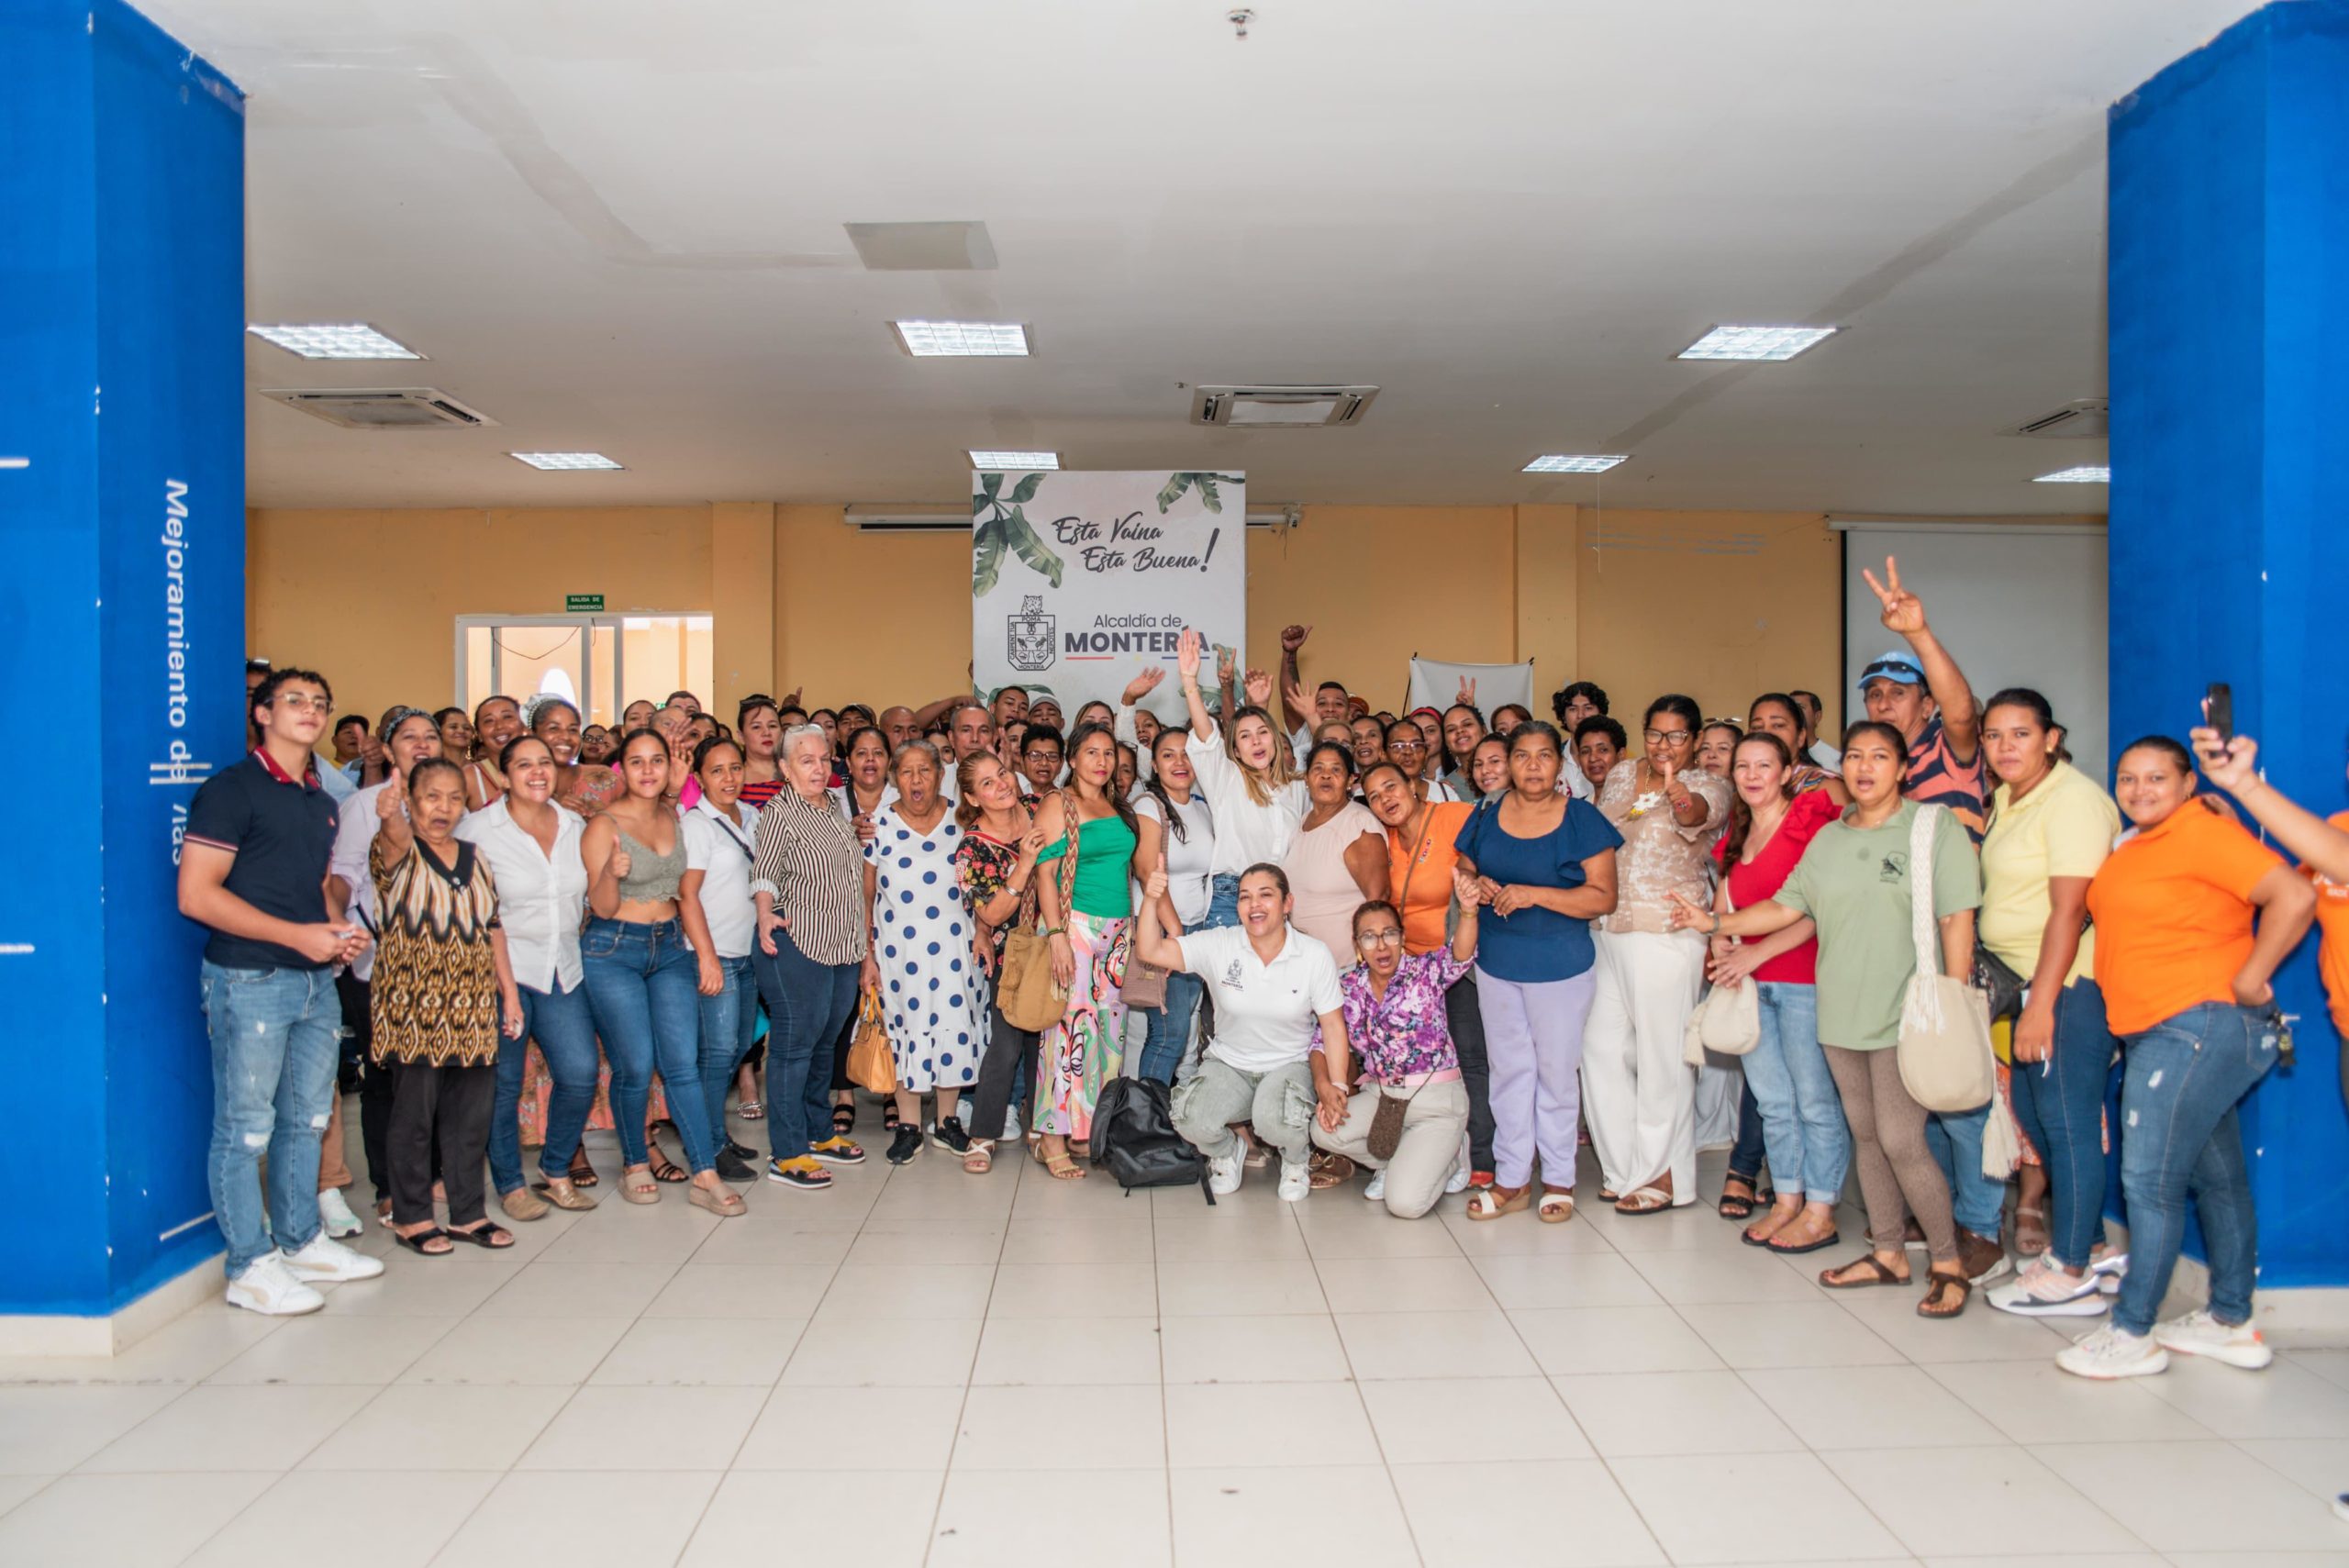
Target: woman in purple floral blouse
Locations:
point(1394, 1011)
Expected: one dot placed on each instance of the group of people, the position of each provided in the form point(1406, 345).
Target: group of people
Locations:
point(1444, 947)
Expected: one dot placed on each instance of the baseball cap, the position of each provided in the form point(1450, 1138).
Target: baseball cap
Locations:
point(1898, 665)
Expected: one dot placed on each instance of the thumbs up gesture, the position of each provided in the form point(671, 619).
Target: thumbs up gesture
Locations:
point(618, 864)
point(1156, 886)
point(391, 803)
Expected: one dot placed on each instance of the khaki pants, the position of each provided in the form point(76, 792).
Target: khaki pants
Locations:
point(333, 1172)
point(1428, 1154)
point(1278, 1104)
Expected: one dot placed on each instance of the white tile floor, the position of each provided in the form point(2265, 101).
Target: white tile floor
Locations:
point(921, 1368)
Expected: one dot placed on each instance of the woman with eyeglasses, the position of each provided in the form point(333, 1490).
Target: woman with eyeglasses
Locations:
point(1643, 1097)
point(1406, 748)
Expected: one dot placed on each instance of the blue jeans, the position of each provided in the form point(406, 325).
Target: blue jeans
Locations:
point(1167, 1033)
point(1978, 1202)
point(276, 1034)
point(1223, 902)
point(807, 1002)
point(1745, 1155)
point(2180, 1081)
point(728, 1022)
point(640, 989)
point(1800, 1113)
point(564, 1027)
point(2059, 1104)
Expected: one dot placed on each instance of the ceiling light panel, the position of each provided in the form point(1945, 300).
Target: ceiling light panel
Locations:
point(352, 341)
point(962, 340)
point(1559, 462)
point(1015, 462)
point(2087, 475)
point(1755, 342)
point(564, 460)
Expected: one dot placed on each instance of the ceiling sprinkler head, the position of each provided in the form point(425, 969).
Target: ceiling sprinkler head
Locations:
point(1239, 16)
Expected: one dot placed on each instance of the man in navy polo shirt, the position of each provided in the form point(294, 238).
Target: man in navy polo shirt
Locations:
point(254, 870)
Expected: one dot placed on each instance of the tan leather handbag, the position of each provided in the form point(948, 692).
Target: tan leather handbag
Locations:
point(1025, 992)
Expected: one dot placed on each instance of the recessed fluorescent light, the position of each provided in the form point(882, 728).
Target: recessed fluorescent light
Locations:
point(1016, 462)
point(962, 340)
point(1755, 342)
point(2088, 474)
point(564, 460)
point(354, 341)
point(1558, 462)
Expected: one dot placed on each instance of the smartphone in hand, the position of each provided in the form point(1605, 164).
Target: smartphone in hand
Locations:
point(2219, 710)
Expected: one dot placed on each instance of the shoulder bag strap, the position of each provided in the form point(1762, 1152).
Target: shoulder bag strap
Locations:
point(1065, 878)
point(1921, 906)
point(1403, 899)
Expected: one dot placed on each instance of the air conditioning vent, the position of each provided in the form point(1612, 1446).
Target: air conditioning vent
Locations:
point(2083, 418)
point(382, 408)
point(1280, 407)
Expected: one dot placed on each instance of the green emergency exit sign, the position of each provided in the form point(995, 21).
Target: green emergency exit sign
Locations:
point(578, 603)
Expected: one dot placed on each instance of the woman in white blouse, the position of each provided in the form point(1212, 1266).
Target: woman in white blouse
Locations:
point(1258, 795)
point(714, 901)
point(532, 848)
point(1174, 829)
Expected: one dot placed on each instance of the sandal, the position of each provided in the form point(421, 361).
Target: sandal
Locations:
point(1875, 1273)
point(844, 1120)
point(1555, 1207)
point(979, 1159)
point(750, 1110)
point(1491, 1203)
point(2031, 1230)
point(1735, 1205)
point(421, 1242)
point(637, 1191)
point(719, 1200)
point(888, 1115)
point(664, 1170)
point(496, 1238)
point(1646, 1200)
point(563, 1192)
point(1062, 1168)
point(582, 1175)
point(1938, 1286)
point(1330, 1170)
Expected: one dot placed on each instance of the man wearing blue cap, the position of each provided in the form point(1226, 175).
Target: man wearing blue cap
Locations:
point(1919, 691)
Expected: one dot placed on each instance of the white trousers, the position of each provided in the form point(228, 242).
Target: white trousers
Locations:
point(1639, 1096)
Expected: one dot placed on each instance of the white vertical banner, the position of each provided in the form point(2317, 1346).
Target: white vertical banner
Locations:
point(1081, 580)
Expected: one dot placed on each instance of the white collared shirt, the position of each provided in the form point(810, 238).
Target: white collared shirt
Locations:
point(1266, 1015)
point(354, 835)
point(541, 895)
point(1245, 833)
point(723, 853)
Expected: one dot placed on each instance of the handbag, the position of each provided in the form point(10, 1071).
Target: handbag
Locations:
point(2002, 987)
point(871, 1066)
point(1028, 996)
point(1729, 1019)
point(1387, 1124)
point(1944, 1048)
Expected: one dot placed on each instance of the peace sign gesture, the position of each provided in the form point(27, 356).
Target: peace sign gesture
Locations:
point(1904, 612)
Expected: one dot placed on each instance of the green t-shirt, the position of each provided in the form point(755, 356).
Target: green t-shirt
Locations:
point(1104, 866)
point(1853, 884)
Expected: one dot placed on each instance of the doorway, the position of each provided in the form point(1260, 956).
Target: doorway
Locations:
point(599, 664)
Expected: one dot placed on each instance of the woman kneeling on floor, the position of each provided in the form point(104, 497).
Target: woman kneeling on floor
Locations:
point(1395, 1017)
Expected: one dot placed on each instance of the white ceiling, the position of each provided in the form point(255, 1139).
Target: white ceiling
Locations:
point(619, 226)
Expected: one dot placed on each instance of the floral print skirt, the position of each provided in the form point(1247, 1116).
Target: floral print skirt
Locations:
point(1085, 1048)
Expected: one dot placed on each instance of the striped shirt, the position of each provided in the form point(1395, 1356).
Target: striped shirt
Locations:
point(1936, 777)
point(808, 857)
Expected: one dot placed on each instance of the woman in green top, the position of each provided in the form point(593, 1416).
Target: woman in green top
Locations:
point(1087, 915)
point(1853, 883)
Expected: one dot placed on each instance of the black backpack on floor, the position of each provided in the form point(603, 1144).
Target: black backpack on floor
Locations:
point(1134, 1137)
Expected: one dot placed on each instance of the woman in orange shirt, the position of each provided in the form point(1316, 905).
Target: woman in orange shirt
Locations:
point(2192, 917)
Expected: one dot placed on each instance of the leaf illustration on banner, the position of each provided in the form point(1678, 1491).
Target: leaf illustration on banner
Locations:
point(1025, 489)
point(1176, 483)
point(1030, 547)
point(990, 484)
point(986, 557)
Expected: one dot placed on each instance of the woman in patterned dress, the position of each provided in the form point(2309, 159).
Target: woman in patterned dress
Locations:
point(995, 864)
point(1088, 915)
point(443, 991)
point(922, 930)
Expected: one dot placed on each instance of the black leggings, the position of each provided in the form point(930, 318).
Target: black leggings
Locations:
point(1465, 1019)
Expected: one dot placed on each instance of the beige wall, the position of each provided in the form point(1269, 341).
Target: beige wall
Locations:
point(1719, 605)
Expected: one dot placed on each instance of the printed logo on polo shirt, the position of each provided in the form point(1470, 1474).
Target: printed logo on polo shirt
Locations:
point(1231, 974)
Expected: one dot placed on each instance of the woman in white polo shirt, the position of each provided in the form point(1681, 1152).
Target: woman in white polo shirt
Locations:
point(1273, 985)
point(714, 901)
point(1256, 792)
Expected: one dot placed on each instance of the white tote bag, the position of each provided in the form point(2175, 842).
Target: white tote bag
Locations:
point(1947, 1063)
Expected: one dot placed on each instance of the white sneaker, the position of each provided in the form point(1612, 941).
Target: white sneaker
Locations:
point(2110, 1353)
point(2045, 1291)
point(2199, 1334)
point(267, 1287)
point(1297, 1180)
point(335, 1216)
point(1223, 1172)
point(2108, 1272)
point(1377, 1191)
point(327, 1259)
point(1458, 1182)
point(1011, 1127)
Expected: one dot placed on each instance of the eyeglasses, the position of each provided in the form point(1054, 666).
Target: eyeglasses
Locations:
point(302, 702)
point(1386, 938)
point(1407, 745)
point(1666, 737)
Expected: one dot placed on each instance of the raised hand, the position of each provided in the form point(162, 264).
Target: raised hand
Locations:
point(1258, 688)
point(1294, 693)
point(1467, 697)
point(1186, 656)
point(1903, 611)
point(1469, 888)
point(1293, 638)
point(619, 864)
point(2232, 765)
point(1142, 686)
point(1226, 660)
point(391, 803)
point(1155, 888)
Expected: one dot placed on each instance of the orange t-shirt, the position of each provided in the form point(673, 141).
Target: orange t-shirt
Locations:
point(2172, 915)
point(1428, 894)
point(2332, 932)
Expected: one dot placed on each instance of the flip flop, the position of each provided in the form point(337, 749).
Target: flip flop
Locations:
point(1876, 1274)
point(416, 1243)
point(485, 1236)
point(1827, 1240)
point(1644, 1202)
point(1937, 1289)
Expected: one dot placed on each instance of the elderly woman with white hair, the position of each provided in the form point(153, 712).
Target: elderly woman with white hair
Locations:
point(922, 940)
point(808, 885)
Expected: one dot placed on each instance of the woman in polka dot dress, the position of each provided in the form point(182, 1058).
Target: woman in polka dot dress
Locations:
point(923, 947)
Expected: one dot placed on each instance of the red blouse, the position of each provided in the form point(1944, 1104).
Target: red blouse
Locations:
point(1756, 881)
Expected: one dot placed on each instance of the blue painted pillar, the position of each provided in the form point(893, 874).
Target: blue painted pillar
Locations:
point(121, 632)
point(2230, 376)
